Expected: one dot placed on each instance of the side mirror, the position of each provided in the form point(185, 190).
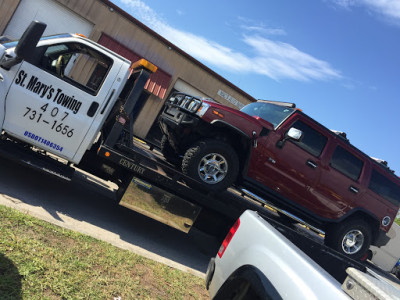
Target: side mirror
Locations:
point(30, 38)
point(26, 46)
point(293, 134)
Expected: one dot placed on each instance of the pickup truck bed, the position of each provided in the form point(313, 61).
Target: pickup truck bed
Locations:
point(258, 261)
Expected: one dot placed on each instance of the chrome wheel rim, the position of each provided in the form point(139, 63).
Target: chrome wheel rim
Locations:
point(353, 241)
point(213, 168)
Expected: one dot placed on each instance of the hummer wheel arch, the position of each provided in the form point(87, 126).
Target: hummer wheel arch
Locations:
point(351, 237)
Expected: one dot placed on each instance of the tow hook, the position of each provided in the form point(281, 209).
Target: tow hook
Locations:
point(254, 139)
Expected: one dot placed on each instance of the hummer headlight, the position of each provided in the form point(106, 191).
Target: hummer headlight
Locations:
point(203, 109)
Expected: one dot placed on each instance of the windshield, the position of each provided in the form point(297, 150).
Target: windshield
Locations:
point(272, 113)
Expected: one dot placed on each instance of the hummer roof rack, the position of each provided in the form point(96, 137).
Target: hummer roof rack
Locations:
point(383, 163)
point(341, 134)
point(280, 103)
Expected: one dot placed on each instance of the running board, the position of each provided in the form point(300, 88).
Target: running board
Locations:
point(284, 212)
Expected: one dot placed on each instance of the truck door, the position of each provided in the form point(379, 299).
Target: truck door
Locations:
point(339, 188)
point(53, 102)
point(292, 169)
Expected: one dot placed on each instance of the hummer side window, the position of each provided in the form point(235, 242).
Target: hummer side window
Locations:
point(382, 186)
point(312, 141)
point(78, 64)
point(346, 163)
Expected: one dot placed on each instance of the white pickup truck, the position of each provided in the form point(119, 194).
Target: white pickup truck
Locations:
point(258, 261)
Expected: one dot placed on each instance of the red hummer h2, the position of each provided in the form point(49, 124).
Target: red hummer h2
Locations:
point(274, 150)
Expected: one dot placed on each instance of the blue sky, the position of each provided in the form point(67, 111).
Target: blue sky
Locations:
point(338, 60)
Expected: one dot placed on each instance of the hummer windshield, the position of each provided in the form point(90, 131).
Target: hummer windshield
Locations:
point(272, 113)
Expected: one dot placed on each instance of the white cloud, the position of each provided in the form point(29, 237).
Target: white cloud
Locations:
point(386, 8)
point(389, 8)
point(263, 30)
point(251, 25)
point(270, 58)
point(281, 60)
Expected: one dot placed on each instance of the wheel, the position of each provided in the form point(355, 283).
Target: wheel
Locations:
point(396, 271)
point(213, 163)
point(352, 238)
point(168, 152)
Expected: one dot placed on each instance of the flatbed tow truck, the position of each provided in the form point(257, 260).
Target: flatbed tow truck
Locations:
point(146, 182)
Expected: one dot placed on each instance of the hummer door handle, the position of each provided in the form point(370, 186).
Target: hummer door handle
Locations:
point(353, 189)
point(311, 164)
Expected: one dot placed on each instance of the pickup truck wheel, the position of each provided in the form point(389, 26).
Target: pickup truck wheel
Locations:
point(213, 163)
point(396, 271)
point(352, 238)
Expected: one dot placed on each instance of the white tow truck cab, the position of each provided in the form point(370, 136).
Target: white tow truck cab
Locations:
point(59, 96)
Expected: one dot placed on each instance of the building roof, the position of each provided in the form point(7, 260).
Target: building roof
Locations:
point(177, 49)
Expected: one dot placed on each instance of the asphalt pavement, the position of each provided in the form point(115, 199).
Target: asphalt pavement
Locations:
point(86, 205)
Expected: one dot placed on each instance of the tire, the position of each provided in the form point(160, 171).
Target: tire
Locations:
point(213, 163)
point(168, 152)
point(396, 271)
point(351, 238)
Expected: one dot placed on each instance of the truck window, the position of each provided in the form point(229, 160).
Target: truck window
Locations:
point(275, 114)
point(313, 142)
point(78, 64)
point(346, 163)
point(382, 186)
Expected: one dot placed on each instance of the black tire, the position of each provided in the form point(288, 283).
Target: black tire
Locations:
point(396, 271)
point(168, 152)
point(351, 238)
point(213, 163)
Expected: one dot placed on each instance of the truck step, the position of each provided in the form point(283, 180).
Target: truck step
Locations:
point(35, 159)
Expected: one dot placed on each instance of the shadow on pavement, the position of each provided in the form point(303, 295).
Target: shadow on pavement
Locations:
point(90, 203)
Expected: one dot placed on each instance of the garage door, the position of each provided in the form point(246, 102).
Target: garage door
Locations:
point(184, 87)
point(58, 18)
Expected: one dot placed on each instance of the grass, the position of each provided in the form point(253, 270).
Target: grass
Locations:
point(397, 221)
point(39, 260)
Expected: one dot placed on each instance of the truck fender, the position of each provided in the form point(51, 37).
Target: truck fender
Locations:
point(377, 232)
point(223, 124)
point(259, 283)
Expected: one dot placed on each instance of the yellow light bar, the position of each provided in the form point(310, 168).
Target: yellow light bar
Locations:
point(144, 63)
point(81, 35)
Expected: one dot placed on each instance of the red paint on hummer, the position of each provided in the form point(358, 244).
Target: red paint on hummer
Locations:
point(274, 150)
